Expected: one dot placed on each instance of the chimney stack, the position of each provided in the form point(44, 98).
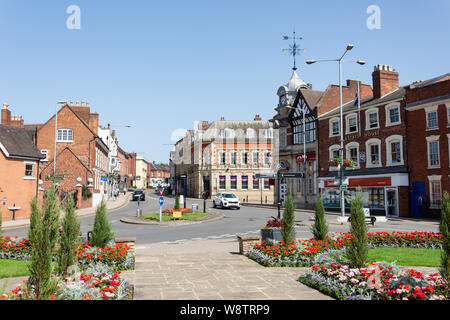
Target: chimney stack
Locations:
point(257, 117)
point(222, 119)
point(384, 80)
point(309, 86)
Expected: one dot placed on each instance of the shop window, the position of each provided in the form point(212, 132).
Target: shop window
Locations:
point(244, 182)
point(376, 198)
point(255, 183)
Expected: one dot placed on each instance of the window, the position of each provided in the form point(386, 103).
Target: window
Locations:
point(244, 182)
point(222, 157)
point(268, 133)
point(244, 158)
point(283, 137)
point(433, 151)
point(266, 184)
point(233, 182)
point(266, 158)
point(352, 123)
point(255, 158)
point(233, 157)
point(373, 148)
point(29, 170)
point(226, 133)
point(310, 132)
point(394, 150)
point(334, 127)
point(393, 114)
point(435, 191)
point(65, 135)
point(372, 119)
point(432, 117)
point(255, 183)
point(447, 105)
point(250, 133)
point(45, 153)
point(352, 152)
point(222, 182)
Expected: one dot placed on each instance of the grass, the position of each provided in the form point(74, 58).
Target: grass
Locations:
point(13, 268)
point(407, 256)
point(155, 216)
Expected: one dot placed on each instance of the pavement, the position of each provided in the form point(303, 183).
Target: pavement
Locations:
point(119, 202)
point(211, 270)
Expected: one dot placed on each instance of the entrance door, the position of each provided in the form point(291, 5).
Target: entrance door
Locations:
point(391, 202)
point(418, 199)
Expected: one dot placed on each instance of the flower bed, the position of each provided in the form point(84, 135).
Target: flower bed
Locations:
point(378, 281)
point(98, 275)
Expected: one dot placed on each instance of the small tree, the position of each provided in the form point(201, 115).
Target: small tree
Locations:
point(101, 234)
point(358, 248)
point(177, 202)
point(288, 223)
point(69, 237)
point(43, 234)
point(320, 227)
point(444, 229)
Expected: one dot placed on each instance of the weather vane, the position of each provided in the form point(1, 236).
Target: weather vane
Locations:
point(294, 49)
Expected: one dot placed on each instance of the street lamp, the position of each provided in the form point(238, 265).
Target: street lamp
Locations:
point(341, 169)
point(56, 134)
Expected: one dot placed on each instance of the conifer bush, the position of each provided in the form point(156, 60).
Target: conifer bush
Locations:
point(101, 233)
point(288, 223)
point(358, 248)
point(177, 202)
point(320, 227)
point(444, 229)
point(43, 235)
point(70, 231)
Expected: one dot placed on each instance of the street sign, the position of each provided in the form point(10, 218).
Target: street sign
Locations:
point(265, 176)
point(161, 201)
point(343, 187)
point(362, 157)
point(103, 178)
point(161, 190)
point(366, 212)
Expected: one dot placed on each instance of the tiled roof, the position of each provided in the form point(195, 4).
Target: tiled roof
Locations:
point(17, 143)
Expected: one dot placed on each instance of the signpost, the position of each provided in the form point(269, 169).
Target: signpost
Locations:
point(161, 202)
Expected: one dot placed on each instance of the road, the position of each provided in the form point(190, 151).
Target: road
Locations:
point(247, 220)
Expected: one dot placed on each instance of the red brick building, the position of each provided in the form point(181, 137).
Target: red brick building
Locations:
point(375, 139)
point(428, 143)
point(19, 167)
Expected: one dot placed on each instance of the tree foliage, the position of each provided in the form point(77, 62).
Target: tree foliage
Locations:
point(101, 233)
point(320, 227)
point(444, 229)
point(358, 249)
point(288, 223)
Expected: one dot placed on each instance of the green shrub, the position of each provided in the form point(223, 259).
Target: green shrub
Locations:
point(288, 223)
point(177, 202)
point(358, 248)
point(43, 235)
point(444, 229)
point(101, 233)
point(70, 232)
point(320, 227)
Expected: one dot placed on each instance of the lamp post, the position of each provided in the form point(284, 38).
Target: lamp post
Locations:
point(56, 134)
point(341, 166)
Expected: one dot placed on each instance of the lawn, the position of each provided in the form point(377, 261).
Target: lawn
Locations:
point(155, 216)
point(13, 268)
point(407, 256)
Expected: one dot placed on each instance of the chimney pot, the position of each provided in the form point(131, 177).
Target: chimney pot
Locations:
point(222, 118)
point(82, 103)
point(5, 105)
point(77, 103)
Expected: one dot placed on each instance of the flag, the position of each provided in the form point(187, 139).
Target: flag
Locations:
point(356, 97)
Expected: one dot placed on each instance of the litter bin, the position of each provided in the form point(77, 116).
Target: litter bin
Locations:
point(194, 207)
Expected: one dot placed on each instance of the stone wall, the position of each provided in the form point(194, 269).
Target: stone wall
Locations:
point(247, 242)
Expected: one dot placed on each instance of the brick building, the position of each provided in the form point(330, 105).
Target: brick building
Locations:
point(294, 97)
point(19, 167)
point(375, 139)
point(123, 174)
point(80, 152)
point(225, 156)
point(159, 174)
point(428, 143)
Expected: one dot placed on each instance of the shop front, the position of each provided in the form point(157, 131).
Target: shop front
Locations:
point(384, 195)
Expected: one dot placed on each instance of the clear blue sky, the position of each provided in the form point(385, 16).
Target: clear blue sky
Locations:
point(161, 65)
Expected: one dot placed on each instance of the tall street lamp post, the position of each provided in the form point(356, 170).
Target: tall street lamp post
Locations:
point(341, 166)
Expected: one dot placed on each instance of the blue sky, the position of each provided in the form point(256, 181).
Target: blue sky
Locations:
point(161, 65)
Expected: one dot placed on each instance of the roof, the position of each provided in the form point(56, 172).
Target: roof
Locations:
point(16, 142)
point(421, 84)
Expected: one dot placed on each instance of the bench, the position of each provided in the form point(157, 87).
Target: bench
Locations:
point(369, 220)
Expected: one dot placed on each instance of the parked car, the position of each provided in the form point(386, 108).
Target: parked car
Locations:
point(130, 188)
point(226, 200)
point(139, 194)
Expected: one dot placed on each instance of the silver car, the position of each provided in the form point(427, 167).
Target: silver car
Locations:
point(226, 200)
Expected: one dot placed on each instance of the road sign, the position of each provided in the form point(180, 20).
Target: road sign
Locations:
point(343, 187)
point(161, 190)
point(362, 157)
point(161, 201)
point(292, 175)
point(103, 178)
point(366, 212)
point(265, 176)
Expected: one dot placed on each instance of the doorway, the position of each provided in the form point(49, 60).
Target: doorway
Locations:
point(391, 202)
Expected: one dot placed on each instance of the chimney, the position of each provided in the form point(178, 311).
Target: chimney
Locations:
point(222, 119)
point(6, 114)
point(384, 80)
point(309, 86)
point(257, 117)
point(93, 122)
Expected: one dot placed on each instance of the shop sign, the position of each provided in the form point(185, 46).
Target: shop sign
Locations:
point(309, 157)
